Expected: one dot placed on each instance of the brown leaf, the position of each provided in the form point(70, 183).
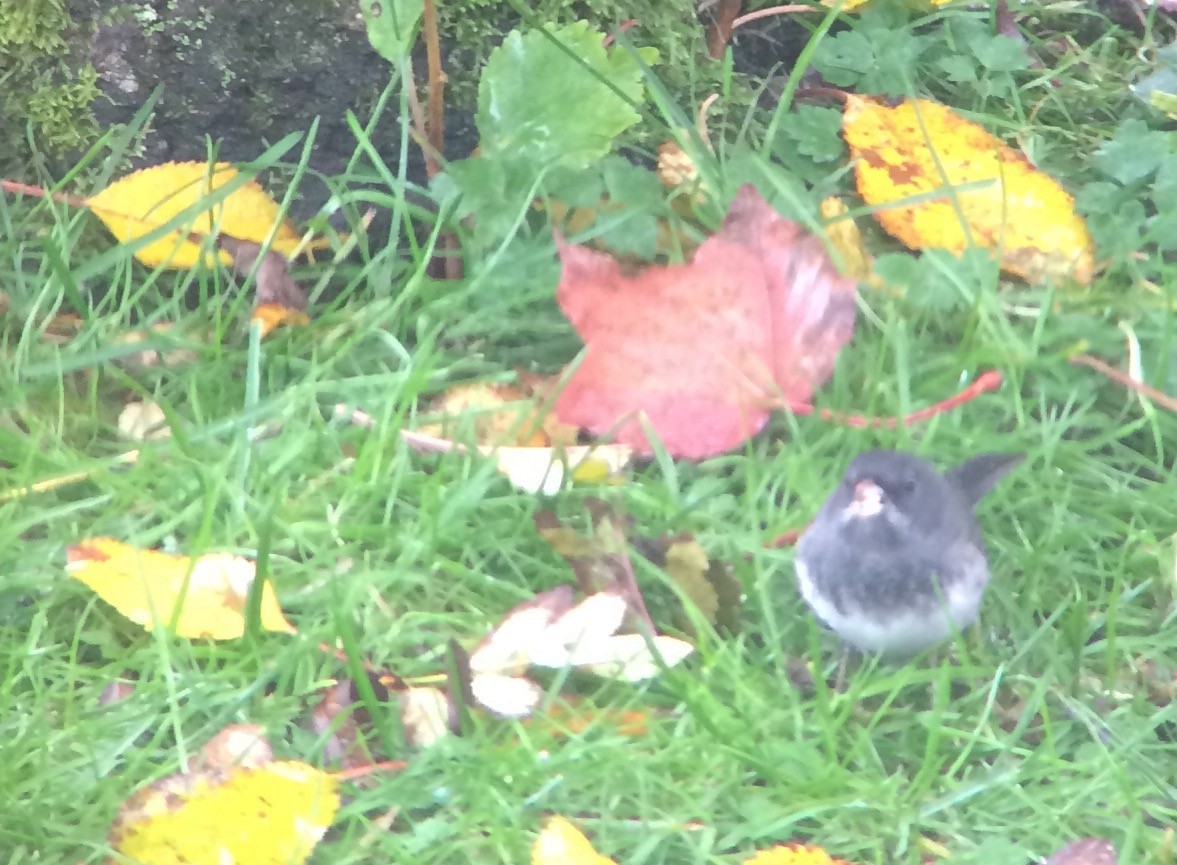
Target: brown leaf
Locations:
point(1086, 851)
point(600, 561)
point(275, 287)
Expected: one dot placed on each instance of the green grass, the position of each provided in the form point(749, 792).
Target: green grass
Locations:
point(1048, 722)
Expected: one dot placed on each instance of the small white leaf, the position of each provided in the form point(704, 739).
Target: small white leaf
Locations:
point(628, 656)
point(595, 618)
point(426, 714)
point(508, 648)
point(506, 696)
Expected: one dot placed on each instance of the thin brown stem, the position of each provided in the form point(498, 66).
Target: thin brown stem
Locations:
point(451, 262)
point(436, 124)
point(720, 31)
point(772, 12)
point(1120, 377)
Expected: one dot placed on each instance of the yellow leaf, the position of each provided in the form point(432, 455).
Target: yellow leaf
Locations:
point(142, 201)
point(269, 815)
point(794, 854)
point(847, 240)
point(270, 316)
point(921, 148)
point(561, 843)
point(146, 586)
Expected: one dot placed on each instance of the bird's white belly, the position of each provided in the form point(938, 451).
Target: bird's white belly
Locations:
point(895, 633)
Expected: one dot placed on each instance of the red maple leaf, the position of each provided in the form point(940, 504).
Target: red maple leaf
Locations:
point(705, 350)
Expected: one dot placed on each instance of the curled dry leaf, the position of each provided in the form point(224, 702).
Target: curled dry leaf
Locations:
point(150, 357)
point(143, 421)
point(601, 560)
point(538, 469)
point(507, 648)
point(204, 597)
point(921, 148)
point(235, 803)
point(428, 715)
point(1086, 851)
point(704, 351)
point(506, 696)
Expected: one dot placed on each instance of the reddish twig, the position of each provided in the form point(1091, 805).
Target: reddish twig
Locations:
point(360, 771)
point(986, 381)
point(773, 11)
point(720, 32)
point(40, 192)
point(1120, 377)
point(621, 28)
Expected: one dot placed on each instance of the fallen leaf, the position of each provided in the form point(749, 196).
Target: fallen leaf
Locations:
point(628, 657)
point(143, 421)
point(574, 717)
point(151, 357)
point(506, 696)
point(921, 148)
point(507, 648)
point(845, 237)
point(428, 715)
point(148, 586)
point(275, 287)
point(561, 843)
point(538, 469)
point(270, 317)
point(235, 805)
point(794, 854)
point(496, 414)
point(145, 200)
point(703, 351)
point(710, 585)
point(1086, 851)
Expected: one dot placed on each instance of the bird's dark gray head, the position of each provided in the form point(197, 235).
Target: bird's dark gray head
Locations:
point(900, 487)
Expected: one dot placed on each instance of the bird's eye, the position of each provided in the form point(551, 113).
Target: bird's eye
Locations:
point(907, 487)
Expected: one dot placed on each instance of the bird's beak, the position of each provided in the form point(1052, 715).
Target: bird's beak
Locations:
point(867, 501)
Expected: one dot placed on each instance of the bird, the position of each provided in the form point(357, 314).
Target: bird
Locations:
point(894, 561)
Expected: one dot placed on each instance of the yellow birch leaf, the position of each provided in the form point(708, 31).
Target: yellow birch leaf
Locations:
point(270, 316)
point(273, 814)
point(922, 148)
point(847, 240)
point(794, 854)
point(561, 843)
point(146, 586)
point(145, 200)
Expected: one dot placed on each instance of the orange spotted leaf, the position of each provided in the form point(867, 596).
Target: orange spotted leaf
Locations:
point(922, 149)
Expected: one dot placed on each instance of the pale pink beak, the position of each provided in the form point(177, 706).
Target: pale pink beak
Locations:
point(867, 501)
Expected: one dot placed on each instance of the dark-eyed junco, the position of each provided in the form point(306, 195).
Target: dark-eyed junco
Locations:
point(894, 560)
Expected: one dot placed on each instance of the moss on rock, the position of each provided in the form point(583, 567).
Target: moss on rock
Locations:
point(44, 97)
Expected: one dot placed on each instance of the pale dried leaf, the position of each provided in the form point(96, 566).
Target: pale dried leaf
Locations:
point(506, 696)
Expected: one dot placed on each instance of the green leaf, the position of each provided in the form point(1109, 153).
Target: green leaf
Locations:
point(816, 132)
point(1001, 54)
point(1134, 153)
point(392, 25)
point(537, 101)
point(844, 58)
